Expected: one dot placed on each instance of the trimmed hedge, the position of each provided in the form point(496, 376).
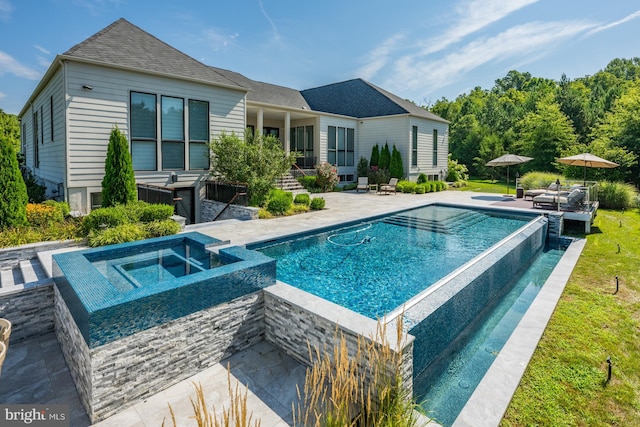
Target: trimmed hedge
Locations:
point(317, 203)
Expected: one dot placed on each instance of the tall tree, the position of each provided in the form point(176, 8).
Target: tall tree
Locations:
point(13, 191)
point(10, 128)
point(544, 135)
point(119, 182)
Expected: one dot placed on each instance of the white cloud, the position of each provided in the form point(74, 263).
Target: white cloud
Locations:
point(523, 43)
point(276, 34)
point(473, 16)
point(2, 95)
point(379, 57)
point(5, 10)
point(626, 19)
point(41, 49)
point(9, 65)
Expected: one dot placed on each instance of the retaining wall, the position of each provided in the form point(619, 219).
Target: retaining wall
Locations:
point(211, 208)
point(123, 372)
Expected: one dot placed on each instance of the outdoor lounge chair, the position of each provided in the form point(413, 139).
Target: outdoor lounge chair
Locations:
point(363, 184)
point(567, 201)
point(390, 187)
point(531, 193)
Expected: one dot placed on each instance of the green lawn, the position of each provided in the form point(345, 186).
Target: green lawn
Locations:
point(565, 383)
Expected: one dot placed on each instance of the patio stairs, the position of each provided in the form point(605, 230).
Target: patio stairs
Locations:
point(26, 272)
point(289, 183)
point(448, 226)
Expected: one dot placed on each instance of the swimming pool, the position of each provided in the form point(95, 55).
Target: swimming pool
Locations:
point(444, 387)
point(375, 266)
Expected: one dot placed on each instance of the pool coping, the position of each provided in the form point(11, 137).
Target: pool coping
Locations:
point(491, 398)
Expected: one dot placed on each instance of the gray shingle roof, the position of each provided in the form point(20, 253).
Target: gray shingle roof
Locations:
point(361, 99)
point(125, 45)
point(266, 93)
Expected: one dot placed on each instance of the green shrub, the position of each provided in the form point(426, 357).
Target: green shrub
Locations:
point(279, 201)
point(317, 203)
point(440, 185)
point(422, 178)
point(36, 192)
point(165, 227)
point(119, 234)
point(63, 207)
point(408, 187)
point(13, 191)
point(533, 180)
point(420, 189)
point(378, 176)
point(156, 212)
point(375, 156)
point(308, 182)
point(297, 208)
point(104, 218)
point(302, 199)
point(396, 168)
point(385, 157)
point(363, 167)
point(119, 182)
point(617, 195)
point(41, 214)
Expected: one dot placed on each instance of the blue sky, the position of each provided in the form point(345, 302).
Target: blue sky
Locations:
point(420, 50)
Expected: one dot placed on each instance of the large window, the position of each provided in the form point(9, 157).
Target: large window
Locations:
point(302, 142)
point(341, 146)
point(414, 146)
point(172, 122)
point(435, 147)
point(143, 131)
point(198, 134)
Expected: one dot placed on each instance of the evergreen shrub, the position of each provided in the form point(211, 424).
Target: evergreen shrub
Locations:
point(302, 199)
point(317, 203)
point(279, 201)
point(13, 191)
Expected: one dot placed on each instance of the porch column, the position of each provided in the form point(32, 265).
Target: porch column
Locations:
point(287, 132)
point(260, 121)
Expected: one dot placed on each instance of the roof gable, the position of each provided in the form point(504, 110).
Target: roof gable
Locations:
point(122, 44)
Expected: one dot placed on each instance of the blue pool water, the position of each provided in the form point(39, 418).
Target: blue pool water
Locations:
point(155, 264)
point(374, 267)
point(446, 385)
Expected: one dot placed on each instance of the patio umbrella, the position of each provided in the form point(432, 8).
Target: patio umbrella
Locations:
point(508, 160)
point(587, 160)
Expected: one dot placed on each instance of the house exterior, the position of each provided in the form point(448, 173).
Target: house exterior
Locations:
point(169, 106)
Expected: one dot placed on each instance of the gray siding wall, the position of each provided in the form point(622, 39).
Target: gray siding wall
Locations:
point(91, 114)
point(51, 148)
point(425, 148)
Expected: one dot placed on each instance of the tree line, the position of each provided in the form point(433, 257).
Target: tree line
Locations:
point(547, 119)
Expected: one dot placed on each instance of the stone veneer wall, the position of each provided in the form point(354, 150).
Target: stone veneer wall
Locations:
point(29, 308)
point(211, 208)
point(10, 257)
point(295, 319)
point(123, 372)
